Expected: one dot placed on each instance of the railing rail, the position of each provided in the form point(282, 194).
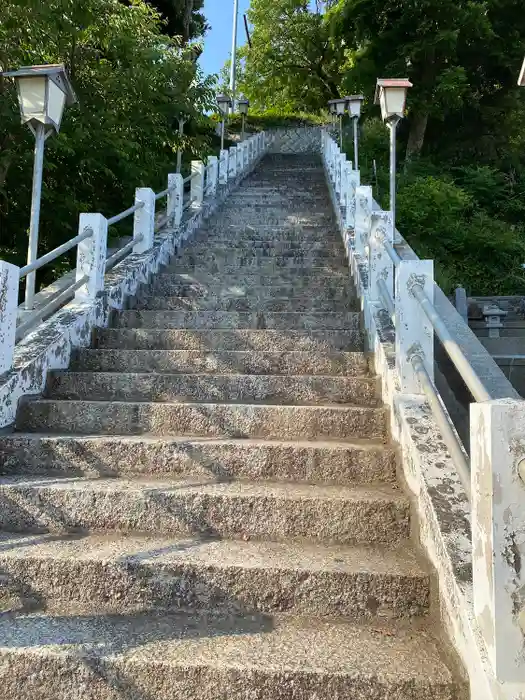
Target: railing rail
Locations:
point(54, 254)
point(124, 214)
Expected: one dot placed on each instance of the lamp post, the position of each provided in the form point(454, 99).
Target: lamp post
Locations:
point(391, 94)
point(223, 103)
point(521, 79)
point(353, 103)
point(243, 106)
point(331, 107)
point(43, 92)
point(339, 110)
point(233, 66)
point(182, 121)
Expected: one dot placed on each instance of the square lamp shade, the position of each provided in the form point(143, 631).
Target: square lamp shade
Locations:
point(224, 103)
point(353, 103)
point(521, 79)
point(391, 94)
point(340, 107)
point(243, 106)
point(43, 92)
point(331, 106)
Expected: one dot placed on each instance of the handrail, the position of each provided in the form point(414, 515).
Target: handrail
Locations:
point(165, 192)
point(189, 178)
point(469, 376)
point(53, 254)
point(49, 308)
point(449, 436)
point(162, 222)
point(122, 252)
point(392, 253)
point(124, 214)
point(386, 298)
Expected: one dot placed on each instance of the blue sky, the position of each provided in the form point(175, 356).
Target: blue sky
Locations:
point(217, 43)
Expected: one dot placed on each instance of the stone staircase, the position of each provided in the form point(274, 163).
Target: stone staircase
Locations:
point(205, 506)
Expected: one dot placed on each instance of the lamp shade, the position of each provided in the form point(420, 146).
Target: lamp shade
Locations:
point(224, 103)
point(340, 106)
point(331, 106)
point(43, 92)
point(243, 106)
point(391, 95)
point(353, 103)
point(521, 79)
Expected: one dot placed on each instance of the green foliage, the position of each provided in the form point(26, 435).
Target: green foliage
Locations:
point(132, 82)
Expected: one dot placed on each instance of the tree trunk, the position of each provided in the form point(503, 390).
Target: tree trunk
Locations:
point(188, 13)
point(416, 136)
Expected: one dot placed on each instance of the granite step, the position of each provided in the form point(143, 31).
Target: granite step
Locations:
point(329, 422)
point(153, 302)
point(127, 573)
point(223, 509)
point(347, 364)
point(271, 247)
point(239, 320)
point(222, 232)
point(183, 656)
point(265, 266)
point(257, 259)
point(358, 462)
point(223, 388)
point(231, 339)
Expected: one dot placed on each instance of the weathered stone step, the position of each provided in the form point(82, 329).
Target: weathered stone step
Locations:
point(256, 259)
point(202, 419)
point(238, 320)
point(235, 509)
point(334, 285)
point(242, 304)
point(278, 274)
point(361, 462)
point(324, 221)
point(191, 656)
point(220, 340)
point(190, 361)
point(124, 574)
point(221, 231)
point(271, 247)
point(227, 388)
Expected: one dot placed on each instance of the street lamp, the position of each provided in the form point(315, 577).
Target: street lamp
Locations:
point(43, 92)
point(331, 107)
point(391, 94)
point(354, 110)
point(243, 106)
point(223, 103)
point(339, 110)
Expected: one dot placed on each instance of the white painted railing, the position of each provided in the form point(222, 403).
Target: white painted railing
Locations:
point(401, 321)
point(91, 241)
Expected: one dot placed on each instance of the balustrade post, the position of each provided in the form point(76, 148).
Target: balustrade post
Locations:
point(497, 460)
point(353, 182)
point(144, 220)
point(212, 174)
point(363, 219)
point(197, 183)
point(175, 196)
point(223, 167)
point(246, 156)
point(339, 165)
point(414, 332)
point(232, 162)
point(345, 173)
point(9, 281)
point(380, 266)
point(91, 255)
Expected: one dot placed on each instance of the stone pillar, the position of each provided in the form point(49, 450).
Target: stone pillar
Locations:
point(91, 255)
point(213, 161)
point(175, 195)
point(232, 163)
point(353, 182)
point(197, 183)
point(339, 165)
point(497, 460)
point(246, 157)
point(380, 265)
point(223, 167)
point(9, 281)
point(363, 219)
point(144, 220)
point(414, 332)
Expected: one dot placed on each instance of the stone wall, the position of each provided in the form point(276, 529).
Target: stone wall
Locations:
point(301, 139)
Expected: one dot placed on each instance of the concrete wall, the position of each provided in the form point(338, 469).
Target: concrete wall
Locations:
point(301, 139)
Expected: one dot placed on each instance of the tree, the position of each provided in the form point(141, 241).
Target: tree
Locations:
point(183, 18)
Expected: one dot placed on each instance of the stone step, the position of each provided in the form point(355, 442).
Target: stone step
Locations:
point(234, 509)
point(360, 462)
point(277, 422)
point(223, 388)
point(124, 574)
point(213, 303)
point(323, 221)
point(337, 285)
point(192, 656)
point(246, 231)
point(255, 259)
point(345, 364)
point(265, 267)
point(271, 247)
point(221, 340)
point(238, 320)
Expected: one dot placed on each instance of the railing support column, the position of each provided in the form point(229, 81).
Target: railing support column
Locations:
point(353, 182)
point(144, 220)
point(339, 167)
point(381, 267)
point(223, 167)
point(414, 332)
point(213, 175)
point(9, 281)
point(175, 197)
point(232, 163)
point(363, 219)
point(197, 183)
point(91, 256)
point(497, 441)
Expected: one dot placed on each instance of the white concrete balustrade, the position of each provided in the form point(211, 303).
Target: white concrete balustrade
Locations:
point(155, 236)
point(480, 568)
